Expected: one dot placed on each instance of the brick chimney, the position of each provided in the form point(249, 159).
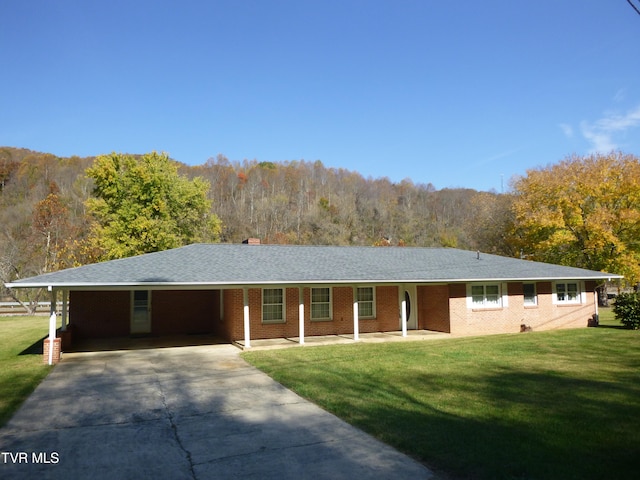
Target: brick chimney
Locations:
point(251, 241)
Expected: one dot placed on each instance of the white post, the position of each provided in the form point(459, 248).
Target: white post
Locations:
point(247, 332)
point(301, 314)
point(65, 301)
point(52, 324)
point(403, 310)
point(356, 328)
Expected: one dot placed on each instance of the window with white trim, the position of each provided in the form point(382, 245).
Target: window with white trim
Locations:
point(530, 294)
point(273, 305)
point(486, 296)
point(321, 303)
point(567, 292)
point(366, 302)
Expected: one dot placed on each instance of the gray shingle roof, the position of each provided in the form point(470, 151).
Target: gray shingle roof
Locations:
point(233, 265)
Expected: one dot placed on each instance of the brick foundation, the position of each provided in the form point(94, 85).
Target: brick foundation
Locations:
point(57, 353)
point(66, 337)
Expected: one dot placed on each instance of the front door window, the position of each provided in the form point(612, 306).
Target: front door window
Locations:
point(410, 293)
point(407, 300)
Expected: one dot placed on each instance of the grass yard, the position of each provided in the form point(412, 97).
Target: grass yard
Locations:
point(608, 319)
point(543, 405)
point(21, 368)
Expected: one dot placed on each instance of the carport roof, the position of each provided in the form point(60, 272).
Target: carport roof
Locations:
point(220, 265)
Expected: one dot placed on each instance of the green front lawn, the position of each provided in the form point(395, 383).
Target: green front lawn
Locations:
point(544, 405)
point(21, 368)
point(608, 319)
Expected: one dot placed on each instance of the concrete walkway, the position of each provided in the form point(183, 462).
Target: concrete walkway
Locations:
point(375, 337)
point(197, 412)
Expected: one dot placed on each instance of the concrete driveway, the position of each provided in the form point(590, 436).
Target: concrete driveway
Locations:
point(183, 413)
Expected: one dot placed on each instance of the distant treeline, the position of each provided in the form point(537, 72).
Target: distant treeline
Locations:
point(296, 202)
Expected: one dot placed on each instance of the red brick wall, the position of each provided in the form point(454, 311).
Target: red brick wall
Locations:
point(547, 316)
point(55, 355)
point(233, 314)
point(440, 307)
point(433, 308)
point(342, 313)
point(387, 310)
point(108, 314)
point(289, 328)
point(184, 311)
point(341, 322)
point(100, 314)
point(543, 316)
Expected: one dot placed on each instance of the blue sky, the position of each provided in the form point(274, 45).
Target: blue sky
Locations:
point(458, 94)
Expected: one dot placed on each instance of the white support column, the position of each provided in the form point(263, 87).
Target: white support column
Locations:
point(247, 331)
point(403, 309)
point(52, 323)
point(301, 314)
point(65, 301)
point(356, 327)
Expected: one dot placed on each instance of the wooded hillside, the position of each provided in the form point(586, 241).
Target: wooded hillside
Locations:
point(285, 202)
point(44, 218)
point(583, 211)
point(300, 202)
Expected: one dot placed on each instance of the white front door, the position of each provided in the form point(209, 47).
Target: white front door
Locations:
point(410, 301)
point(140, 311)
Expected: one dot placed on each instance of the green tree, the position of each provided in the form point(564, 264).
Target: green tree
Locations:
point(583, 211)
point(626, 308)
point(143, 205)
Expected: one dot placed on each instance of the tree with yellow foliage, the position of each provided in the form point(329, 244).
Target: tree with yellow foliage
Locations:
point(143, 205)
point(584, 212)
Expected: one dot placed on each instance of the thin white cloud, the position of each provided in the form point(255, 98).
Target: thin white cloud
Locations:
point(620, 95)
point(604, 134)
point(566, 129)
point(601, 141)
point(497, 156)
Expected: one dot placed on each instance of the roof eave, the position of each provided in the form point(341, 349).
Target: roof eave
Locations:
point(201, 285)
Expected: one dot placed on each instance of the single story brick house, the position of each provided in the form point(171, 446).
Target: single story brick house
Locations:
point(244, 292)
